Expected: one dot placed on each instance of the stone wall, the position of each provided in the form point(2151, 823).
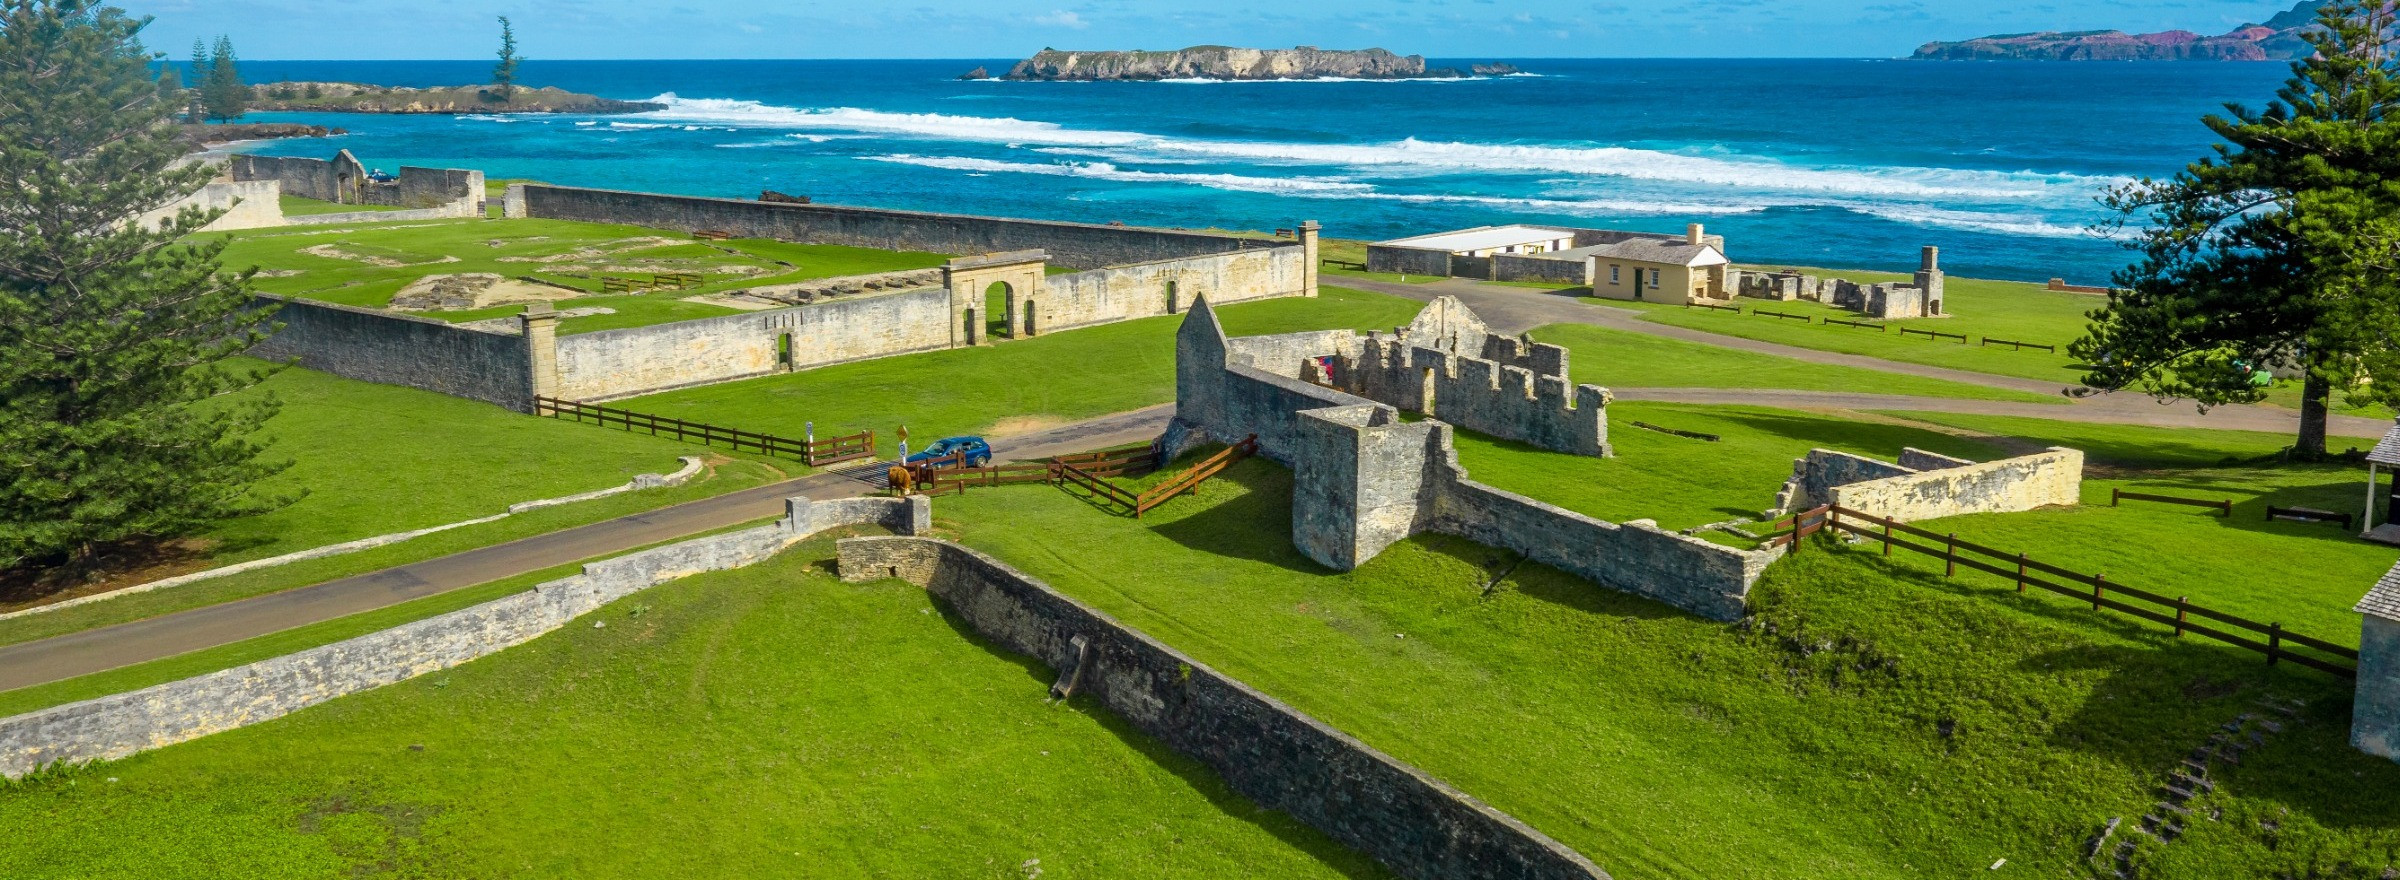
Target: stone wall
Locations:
point(2375, 709)
point(119, 725)
point(1541, 269)
point(250, 204)
point(1363, 479)
point(1271, 753)
point(1408, 260)
point(1930, 486)
point(639, 360)
point(1167, 287)
point(1502, 400)
point(308, 178)
point(1074, 245)
point(392, 349)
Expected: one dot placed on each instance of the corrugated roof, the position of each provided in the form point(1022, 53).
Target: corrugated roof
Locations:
point(2387, 450)
point(1483, 237)
point(2384, 600)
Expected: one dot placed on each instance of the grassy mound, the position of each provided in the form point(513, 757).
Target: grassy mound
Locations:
point(770, 721)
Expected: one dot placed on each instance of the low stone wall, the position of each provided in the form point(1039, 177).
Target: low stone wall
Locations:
point(1501, 400)
point(300, 176)
point(612, 364)
point(1541, 270)
point(376, 346)
point(1167, 287)
point(1271, 753)
point(1407, 260)
point(2375, 709)
point(1074, 245)
point(1926, 485)
point(123, 724)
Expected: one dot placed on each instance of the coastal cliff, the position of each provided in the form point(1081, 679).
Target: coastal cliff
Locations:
point(335, 97)
point(1225, 63)
point(2277, 39)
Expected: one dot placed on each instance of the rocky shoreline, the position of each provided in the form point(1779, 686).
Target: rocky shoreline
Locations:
point(338, 97)
point(2281, 38)
point(1234, 64)
point(202, 137)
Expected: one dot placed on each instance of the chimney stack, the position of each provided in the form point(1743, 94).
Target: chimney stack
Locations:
point(1692, 234)
point(1931, 261)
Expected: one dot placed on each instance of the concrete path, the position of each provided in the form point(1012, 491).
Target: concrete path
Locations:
point(1518, 309)
point(82, 653)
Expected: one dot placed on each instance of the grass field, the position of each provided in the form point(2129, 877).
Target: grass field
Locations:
point(366, 265)
point(303, 206)
point(770, 721)
point(1870, 722)
point(376, 459)
point(1336, 256)
point(1624, 359)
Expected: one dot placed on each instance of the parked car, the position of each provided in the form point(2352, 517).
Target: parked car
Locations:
point(978, 453)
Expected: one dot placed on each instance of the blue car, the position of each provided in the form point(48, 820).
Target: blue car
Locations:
point(978, 453)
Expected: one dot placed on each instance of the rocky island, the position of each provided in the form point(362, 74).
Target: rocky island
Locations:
point(336, 97)
point(2276, 39)
point(1230, 63)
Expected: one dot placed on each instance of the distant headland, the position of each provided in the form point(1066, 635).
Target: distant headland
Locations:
point(1230, 63)
point(2276, 39)
point(341, 97)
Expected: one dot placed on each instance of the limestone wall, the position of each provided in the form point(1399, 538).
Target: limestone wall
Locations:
point(2026, 482)
point(1502, 400)
point(611, 364)
point(1271, 753)
point(2375, 711)
point(392, 349)
point(122, 724)
point(249, 204)
point(1167, 287)
point(1073, 245)
point(1815, 474)
point(308, 178)
point(1540, 269)
point(1408, 260)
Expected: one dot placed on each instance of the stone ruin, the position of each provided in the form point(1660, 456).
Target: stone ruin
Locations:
point(1920, 298)
point(812, 290)
point(1448, 365)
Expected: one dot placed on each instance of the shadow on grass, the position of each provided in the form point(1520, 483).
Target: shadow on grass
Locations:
point(1255, 525)
point(1202, 780)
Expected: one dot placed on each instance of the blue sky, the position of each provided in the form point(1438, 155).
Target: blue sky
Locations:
point(563, 29)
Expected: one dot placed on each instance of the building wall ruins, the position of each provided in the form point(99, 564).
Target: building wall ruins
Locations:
point(1271, 753)
point(1927, 485)
point(1921, 297)
point(394, 349)
point(611, 364)
point(1363, 479)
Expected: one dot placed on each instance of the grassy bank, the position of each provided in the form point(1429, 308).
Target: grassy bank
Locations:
point(770, 718)
point(1871, 722)
point(1624, 359)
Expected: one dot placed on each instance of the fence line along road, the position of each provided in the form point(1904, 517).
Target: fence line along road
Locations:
point(816, 453)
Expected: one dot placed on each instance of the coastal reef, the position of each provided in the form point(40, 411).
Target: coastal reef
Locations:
point(1229, 63)
point(2277, 39)
point(339, 97)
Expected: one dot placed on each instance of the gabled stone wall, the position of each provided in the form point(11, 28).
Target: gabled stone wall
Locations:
point(1502, 400)
point(1927, 485)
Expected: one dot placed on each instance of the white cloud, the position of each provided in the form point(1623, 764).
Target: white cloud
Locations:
point(749, 28)
point(1062, 18)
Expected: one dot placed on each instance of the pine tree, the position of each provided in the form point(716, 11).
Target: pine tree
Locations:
point(223, 91)
point(115, 424)
point(504, 74)
point(196, 97)
point(2255, 257)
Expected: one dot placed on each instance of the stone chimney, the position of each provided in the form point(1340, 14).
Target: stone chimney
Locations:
point(1695, 234)
point(1930, 261)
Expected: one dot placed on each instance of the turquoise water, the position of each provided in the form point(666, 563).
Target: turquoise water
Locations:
point(1820, 162)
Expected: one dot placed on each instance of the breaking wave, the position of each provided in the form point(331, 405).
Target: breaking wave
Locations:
point(1106, 171)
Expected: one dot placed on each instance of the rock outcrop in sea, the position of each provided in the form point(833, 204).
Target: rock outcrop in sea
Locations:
point(2277, 39)
point(1227, 63)
point(338, 97)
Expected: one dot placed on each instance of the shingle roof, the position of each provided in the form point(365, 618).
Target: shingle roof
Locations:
point(2384, 600)
point(1674, 252)
point(2387, 450)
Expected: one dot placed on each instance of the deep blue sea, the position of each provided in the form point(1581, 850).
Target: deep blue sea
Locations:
point(1824, 162)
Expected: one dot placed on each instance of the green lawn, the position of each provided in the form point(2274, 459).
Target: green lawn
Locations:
point(1335, 256)
point(1871, 722)
point(771, 721)
point(1624, 359)
point(1010, 387)
point(376, 459)
point(367, 264)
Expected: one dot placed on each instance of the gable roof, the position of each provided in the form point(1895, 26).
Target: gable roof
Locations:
point(2384, 600)
point(1671, 251)
point(2387, 450)
point(1483, 237)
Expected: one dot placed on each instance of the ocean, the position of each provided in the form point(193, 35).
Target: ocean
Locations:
point(1845, 163)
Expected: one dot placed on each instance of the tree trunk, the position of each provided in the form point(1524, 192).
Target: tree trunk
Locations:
point(2315, 393)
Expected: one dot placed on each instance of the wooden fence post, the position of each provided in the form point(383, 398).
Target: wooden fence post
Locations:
point(1887, 539)
point(2020, 572)
point(2274, 643)
point(1950, 557)
point(2182, 604)
point(2099, 582)
point(2113, 492)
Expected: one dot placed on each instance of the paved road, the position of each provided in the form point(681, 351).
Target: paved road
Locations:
point(1518, 309)
point(60, 657)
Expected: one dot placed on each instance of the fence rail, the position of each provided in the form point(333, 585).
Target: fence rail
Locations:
point(1199, 473)
point(1800, 525)
point(662, 426)
point(2019, 346)
point(2309, 514)
point(1859, 324)
point(1100, 487)
point(2223, 508)
point(957, 481)
point(1712, 306)
point(2096, 589)
point(1800, 318)
point(1934, 334)
point(1123, 461)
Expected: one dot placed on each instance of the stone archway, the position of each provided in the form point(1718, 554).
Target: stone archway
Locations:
point(1016, 277)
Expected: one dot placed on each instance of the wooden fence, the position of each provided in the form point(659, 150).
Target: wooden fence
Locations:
point(2309, 514)
point(844, 448)
point(1102, 490)
point(661, 426)
point(2014, 345)
point(2223, 508)
point(956, 482)
point(1712, 306)
point(1859, 324)
point(1199, 473)
point(1123, 461)
point(1934, 334)
point(1800, 318)
point(2096, 589)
